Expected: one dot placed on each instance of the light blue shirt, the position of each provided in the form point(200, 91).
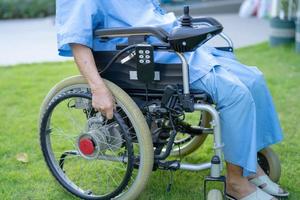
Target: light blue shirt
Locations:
point(76, 21)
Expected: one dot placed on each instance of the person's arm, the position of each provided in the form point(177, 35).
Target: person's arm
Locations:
point(103, 100)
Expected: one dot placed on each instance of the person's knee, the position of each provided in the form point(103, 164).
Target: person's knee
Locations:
point(238, 95)
point(244, 96)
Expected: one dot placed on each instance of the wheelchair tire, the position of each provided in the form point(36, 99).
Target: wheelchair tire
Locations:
point(214, 195)
point(269, 162)
point(195, 142)
point(136, 118)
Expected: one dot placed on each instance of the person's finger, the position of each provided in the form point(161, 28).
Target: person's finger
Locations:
point(114, 102)
point(100, 110)
point(114, 106)
point(109, 113)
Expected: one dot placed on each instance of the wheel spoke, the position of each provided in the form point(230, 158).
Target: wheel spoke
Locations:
point(75, 123)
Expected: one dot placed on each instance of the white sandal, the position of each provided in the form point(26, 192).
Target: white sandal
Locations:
point(257, 195)
point(268, 186)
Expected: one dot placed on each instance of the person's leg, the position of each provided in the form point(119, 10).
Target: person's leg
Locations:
point(267, 123)
point(259, 172)
point(237, 111)
point(238, 123)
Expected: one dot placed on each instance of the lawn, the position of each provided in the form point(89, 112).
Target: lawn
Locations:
point(23, 88)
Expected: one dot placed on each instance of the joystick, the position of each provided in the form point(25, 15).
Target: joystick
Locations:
point(186, 19)
point(185, 37)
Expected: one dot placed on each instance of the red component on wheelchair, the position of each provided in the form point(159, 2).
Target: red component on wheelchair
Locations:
point(86, 146)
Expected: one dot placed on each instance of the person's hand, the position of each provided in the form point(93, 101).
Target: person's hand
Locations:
point(103, 101)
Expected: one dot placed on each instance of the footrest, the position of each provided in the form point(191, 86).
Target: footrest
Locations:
point(221, 179)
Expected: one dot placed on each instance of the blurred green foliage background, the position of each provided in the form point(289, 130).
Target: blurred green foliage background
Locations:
point(10, 9)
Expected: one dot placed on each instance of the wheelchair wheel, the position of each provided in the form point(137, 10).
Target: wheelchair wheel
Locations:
point(214, 195)
point(186, 144)
point(269, 162)
point(91, 157)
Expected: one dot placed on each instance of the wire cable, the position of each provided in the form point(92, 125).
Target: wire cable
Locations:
point(115, 58)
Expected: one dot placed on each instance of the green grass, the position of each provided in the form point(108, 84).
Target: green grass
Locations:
point(23, 88)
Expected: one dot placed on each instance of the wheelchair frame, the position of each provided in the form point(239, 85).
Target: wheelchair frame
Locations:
point(178, 42)
point(187, 100)
point(215, 123)
point(217, 167)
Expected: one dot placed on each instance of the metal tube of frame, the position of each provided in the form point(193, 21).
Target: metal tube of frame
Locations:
point(113, 158)
point(193, 167)
point(216, 126)
point(185, 73)
point(227, 38)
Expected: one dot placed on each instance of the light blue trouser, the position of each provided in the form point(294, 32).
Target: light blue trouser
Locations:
point(249, 121)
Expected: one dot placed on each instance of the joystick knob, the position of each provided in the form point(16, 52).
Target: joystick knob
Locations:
point(186, 19)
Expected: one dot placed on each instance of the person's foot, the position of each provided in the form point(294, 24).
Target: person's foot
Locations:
point(239, 187)
point(259, 172)
point(263, 184)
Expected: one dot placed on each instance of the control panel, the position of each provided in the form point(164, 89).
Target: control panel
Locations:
point(145, 62)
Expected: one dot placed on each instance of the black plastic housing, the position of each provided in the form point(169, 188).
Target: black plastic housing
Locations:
point(145, 63)
point(184, 38)
point(169, 74)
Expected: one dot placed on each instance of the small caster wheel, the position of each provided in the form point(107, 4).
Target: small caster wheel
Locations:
point(214, 195)
point(269, 162)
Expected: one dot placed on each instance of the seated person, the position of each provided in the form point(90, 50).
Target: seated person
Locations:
point(248, 117)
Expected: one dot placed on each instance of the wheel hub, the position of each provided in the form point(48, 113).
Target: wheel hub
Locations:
point(91, 144)
point(98, 139)
point(87, 146)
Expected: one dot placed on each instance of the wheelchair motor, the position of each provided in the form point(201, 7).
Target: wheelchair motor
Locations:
point(98, 138)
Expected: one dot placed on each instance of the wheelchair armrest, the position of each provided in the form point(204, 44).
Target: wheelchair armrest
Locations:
point(157, 32)
point(208, 20)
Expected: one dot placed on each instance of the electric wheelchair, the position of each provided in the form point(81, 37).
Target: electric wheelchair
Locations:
point(96, 158)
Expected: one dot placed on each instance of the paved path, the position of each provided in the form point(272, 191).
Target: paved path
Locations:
point(27, 41)
point(34, 40)
point(244, 31)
